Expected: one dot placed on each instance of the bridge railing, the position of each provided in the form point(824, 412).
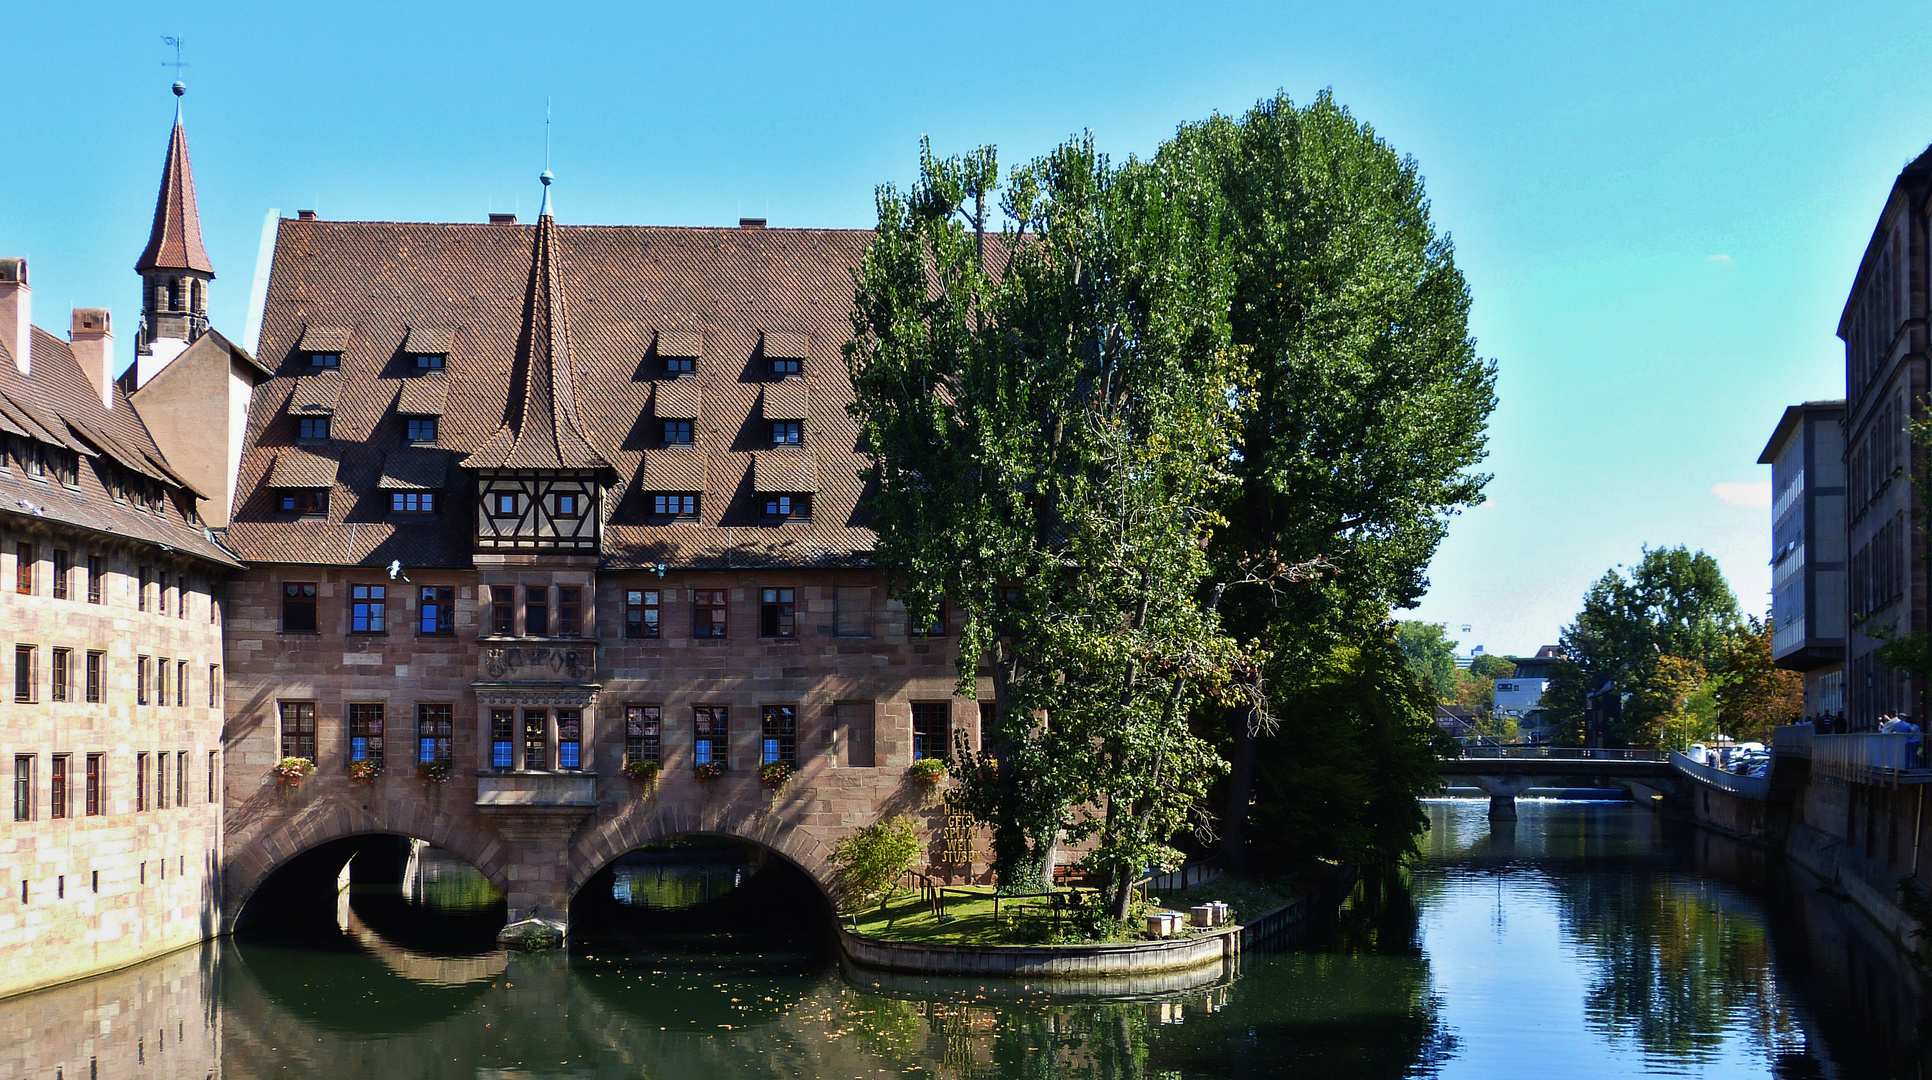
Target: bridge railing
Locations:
point(1872, 757)
point(1560, 753)
point(1793, 740)
point(1756, 788)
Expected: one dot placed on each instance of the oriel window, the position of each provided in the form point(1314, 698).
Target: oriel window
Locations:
point(433, 727)
point(570, 611)
point(367, 609)
point(503, 738)
point(570, 738)
point(708, 613)
point(781, 735)
point(298, 607)
point(642, 728)
point(298, 729)
point(640, 613)
point(777, 613)
point(536, 611)
point(437, 613)
point(536, 739)
point(365, 732)
point(931, 728)
point(710, 729)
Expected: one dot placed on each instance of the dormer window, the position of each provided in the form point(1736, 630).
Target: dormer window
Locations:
point(675, 505)
point(788, 506)
point(429, 361)
point(680, 365)
point(412, 502)
point(312, 428)
point(785, 365)
point(305, 501)
point(325, 360)
point(421, 429)
point(785, 432)
point(677, 433)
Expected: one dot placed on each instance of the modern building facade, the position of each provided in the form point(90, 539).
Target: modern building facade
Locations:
point(1884, 329)
point(1520, 697)
point(1808, 601)
point(111, 724)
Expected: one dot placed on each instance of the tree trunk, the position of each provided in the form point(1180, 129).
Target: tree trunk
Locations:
point(1049, 854)
point(1234, 821)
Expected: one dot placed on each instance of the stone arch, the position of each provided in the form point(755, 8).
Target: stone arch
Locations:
point(248, 866)
point(646, 822)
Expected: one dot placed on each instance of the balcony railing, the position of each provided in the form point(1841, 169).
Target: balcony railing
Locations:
point(1560, 753)
point(1755, 788)
point(1872, 757)
point(1792, 740)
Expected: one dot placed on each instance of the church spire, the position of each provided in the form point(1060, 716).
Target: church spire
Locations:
point(541, 429)
point(174, 243)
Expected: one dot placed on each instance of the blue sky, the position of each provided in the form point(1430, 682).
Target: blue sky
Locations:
point(1658, 210)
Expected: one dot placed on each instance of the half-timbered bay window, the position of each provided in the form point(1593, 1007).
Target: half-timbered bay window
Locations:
point(711, 739)
point(570, 739)
point(640, 613)
point(536, 738)
point(503, 738)
point(683, 506)
point(931, 729)
point(437, 614)
point(777, 613)
point(365, 732)
point(643, 728)
point(567, 505)
point(368, 609)
point(708, 613)
point(781, 735)
point(433, 726)
point(298, 607)
point(570, 611)
point(298, 729)
point(502, 504)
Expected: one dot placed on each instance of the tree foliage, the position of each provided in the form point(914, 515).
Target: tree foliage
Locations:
point(871, 861)
point(1430, 654)
point(1754, 694)
point(1048, 411)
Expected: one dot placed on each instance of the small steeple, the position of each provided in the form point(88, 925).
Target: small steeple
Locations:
point(541, 429)
point(174, 267)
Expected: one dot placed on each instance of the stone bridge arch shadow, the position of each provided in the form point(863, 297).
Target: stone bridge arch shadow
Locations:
point(649, 822)
point(315, 827)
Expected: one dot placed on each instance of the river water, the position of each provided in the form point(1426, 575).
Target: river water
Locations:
point(1588, 940)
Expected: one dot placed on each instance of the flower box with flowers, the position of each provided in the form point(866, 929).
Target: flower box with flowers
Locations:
point(774, 774)
point(364, 771)
point(709, 771)
point(928, 771)
point(291, 771)
point(433, 772)
point(643, 772)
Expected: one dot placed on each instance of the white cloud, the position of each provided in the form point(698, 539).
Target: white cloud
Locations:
point(1721, 260)
point(1755, 494)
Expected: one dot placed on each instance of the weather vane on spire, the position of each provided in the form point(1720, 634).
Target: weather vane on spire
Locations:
point(177, 64)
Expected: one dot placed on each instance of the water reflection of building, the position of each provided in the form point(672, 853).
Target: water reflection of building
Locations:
point(156, 1019)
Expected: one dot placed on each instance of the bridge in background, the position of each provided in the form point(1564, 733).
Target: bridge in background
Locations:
point(1504, 772)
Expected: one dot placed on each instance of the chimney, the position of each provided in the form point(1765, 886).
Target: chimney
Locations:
point(503, 219)
point(751, 223)
point(305, 215)
point(17, 313)
point(92, 339)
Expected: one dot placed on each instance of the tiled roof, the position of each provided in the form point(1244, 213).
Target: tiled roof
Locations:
point(678, 399)
point(297, 468)
point(633, 292)
point(316, 395)
point(784, 471)
point(174, 243)
point(57, 400)
point(425, 395)
point(414, 470)
point(788, 400)
point(787, 345)
point(324, 339)
point(430, 340)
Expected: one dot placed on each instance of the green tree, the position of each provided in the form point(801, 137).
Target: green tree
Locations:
point(1492, 668)
point(871, 861)
point(1430, 654)
point(1565, 700)
point(1370, 403)
point(1048, 415)
point(1754, 694)
point(1659, 710)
